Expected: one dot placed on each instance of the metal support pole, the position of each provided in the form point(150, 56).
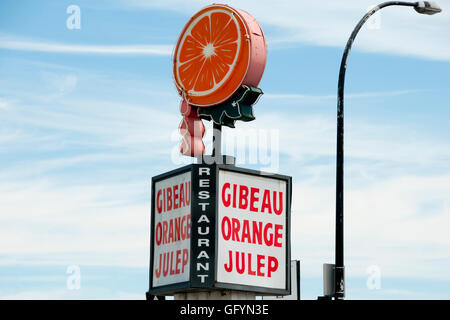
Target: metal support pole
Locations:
point(339, 263)
point(216, 155)
point(217, 140)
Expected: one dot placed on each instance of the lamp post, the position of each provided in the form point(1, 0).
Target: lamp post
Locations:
point(423, 7)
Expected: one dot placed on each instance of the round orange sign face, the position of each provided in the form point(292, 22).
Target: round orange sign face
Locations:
point(219, 49)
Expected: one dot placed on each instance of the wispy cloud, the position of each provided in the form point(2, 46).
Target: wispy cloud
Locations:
point(329, 23)
point(12, 43)
point(297, 96)
point(4, 103)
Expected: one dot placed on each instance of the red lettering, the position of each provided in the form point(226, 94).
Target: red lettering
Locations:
point(169, 199)
point(253, 198)
point(175, 197)
point(266, 202)
point(278, 235)
point(166, 264)
point(234, 195)
point(246, 232)
point(226, 224)
point(268, 234)
point(164, 196)
point(243, 194)
point(236, 227)
point(257, 232)
point(159, 202)
point(250, 271)
point(226, 198)
point(177, 229)
point(158, 270)
point(177, 269)
point(229, 267)
point(158, 234)
point(260, 265)
point(172, 230)
point(182, 204)
point(240, 269)
point(188, 226)
point(268, 241)
point(185, 259)
point(172, 271)
point(280, 209)
point(272, 266)
point(164, 232)
point(265, 265)
point(170, 238)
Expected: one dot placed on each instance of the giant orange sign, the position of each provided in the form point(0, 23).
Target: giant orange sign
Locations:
point(218, 51)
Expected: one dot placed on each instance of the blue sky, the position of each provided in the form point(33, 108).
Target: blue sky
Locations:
point(90, 115)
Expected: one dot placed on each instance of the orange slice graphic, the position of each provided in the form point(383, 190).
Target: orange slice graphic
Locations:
point(211, 57)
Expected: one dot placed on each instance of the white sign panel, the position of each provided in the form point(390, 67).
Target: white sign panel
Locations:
point(172, 226)
point(252, 230)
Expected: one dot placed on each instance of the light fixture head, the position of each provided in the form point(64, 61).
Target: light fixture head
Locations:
point(427, 7)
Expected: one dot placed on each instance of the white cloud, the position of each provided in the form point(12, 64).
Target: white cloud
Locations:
point(397, 294)
point(90, 293)
point(14, 43)
point(4, 103)
point(62, 83)
point(387, 223)
point(113, 123)
point(308, 97)
point(329, 23)
point(48, 221)
point(36, 295)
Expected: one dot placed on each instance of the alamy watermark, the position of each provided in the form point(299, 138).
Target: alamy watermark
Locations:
point(374, 279)
point(259, 148)
point(74, 20)
point(74, 279)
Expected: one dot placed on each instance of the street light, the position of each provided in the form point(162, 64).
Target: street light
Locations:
point(427, 7)
point(423, 7)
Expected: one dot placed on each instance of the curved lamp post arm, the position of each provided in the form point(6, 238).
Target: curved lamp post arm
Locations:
point(424, 7)
point(350, 41)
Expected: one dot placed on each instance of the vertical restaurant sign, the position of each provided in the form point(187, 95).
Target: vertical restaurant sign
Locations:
point(252, 230)
point(172, 230)
point(203, 225)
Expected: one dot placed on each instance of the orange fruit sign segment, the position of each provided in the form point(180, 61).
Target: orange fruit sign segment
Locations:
point(218, 50)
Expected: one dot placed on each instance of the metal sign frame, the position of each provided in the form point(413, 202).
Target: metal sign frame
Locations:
point(210, 281)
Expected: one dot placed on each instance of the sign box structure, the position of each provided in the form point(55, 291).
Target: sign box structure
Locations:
point(220, 227)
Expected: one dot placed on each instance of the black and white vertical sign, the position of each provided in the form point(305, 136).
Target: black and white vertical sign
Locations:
point(203, 224)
